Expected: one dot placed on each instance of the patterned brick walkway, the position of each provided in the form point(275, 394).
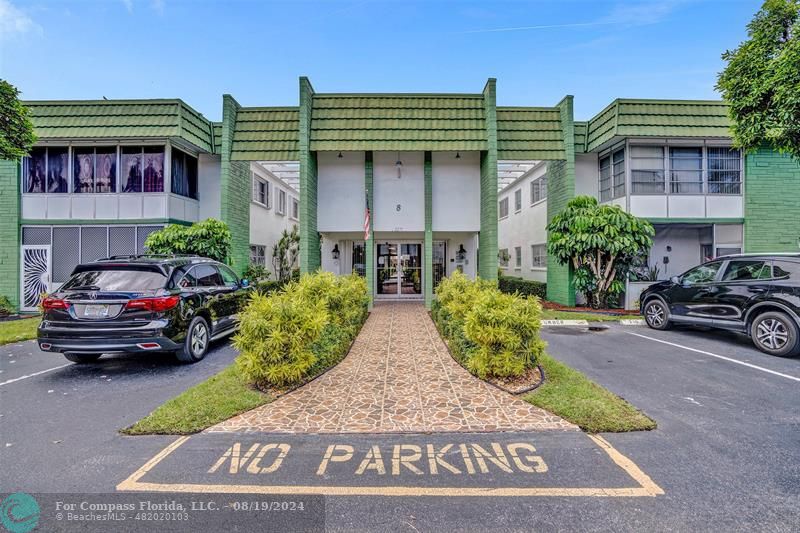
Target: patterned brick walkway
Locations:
point(398, 377)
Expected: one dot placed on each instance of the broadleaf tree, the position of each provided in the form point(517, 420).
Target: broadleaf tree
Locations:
point(16, 129)
point(209, 238)
point(602, 243)
point(761, 82)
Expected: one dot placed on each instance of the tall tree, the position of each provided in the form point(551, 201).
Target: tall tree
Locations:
point(761, 83)
point(16, 128)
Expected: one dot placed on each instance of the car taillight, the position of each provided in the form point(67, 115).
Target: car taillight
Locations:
point(50, 303)
point(159, 304)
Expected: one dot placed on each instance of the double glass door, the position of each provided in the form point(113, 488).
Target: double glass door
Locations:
point(399, 269)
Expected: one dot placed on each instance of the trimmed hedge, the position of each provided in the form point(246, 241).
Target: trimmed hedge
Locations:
point(524, 287)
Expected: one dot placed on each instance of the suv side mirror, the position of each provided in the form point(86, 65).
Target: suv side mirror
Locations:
point(244, 283)
point(676, 280)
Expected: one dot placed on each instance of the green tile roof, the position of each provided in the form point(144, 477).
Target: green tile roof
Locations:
point(120, 119)
point(398, 122)
point(658, 118)
point(529, 133)
point(217, 133)
point(580, 136)
point(266, 134)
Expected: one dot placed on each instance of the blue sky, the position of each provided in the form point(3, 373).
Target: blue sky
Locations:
point(538, 50)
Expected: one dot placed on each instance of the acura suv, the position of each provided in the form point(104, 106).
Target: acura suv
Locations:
point(130, 304)
point(755, 294)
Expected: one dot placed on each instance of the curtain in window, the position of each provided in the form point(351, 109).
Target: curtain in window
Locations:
point(153, 174)
point(180, 179)
point(106, 173)
point(131, 174)
point(83, 171)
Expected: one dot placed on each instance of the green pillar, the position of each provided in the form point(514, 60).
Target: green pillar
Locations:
point(234, 189)
point(427, 254)
point(9, 231)
point(369, 246)
point(487, 242)
point(310, 259)
point(560, 190)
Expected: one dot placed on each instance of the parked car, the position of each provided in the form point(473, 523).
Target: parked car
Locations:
point(131, 304)
point(755, 294)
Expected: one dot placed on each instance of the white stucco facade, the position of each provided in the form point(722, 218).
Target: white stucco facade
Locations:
point(267, 220)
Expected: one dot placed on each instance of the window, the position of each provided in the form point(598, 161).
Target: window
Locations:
point(295, 209)
point(686, 170)
point(258, 255)
point(538, 256)
point(281, 202)
point(747, 270)
point(184, 174)
point(503, 208)
point(502, 257)
point(786, 270)
point(142, 169)
point(83, 170)
point(647, 170)
point(207, 276)
point(105, 179)
point(261, 191)
point(538, 189)
point(117, 279)
point(618, 170)
point(724, 170)
point(518, 257)
point(229, 279)
point(702, 274)
point(45, 170)
point(728, 250)
point(359, 258)
point(605, 179)
point(518, 200)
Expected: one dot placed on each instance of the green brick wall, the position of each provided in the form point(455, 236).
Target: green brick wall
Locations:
point(234, 189)
point(487, 252)
point(772, 202)
point(310, 255)
point(560, 190)
point(9, 230)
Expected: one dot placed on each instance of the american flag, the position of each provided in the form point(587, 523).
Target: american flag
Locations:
point(366, 220)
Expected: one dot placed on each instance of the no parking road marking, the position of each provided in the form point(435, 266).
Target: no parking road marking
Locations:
point(454, 464)
point(762, 369)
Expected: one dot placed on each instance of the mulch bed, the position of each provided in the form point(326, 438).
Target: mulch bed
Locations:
point(558, 307)
point(531, 379)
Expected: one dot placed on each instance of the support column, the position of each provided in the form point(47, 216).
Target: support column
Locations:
point(310, 257)
point(427, 254)
point(369, 245)
point(235, 189)
point(10, 240)
point(560, 190)
point(487, 254)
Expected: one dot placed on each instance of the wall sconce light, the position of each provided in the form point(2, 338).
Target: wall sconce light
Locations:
point(335, 252)
point(399, 165)
point(458, 155)
point(340, 155)
point(461, 254)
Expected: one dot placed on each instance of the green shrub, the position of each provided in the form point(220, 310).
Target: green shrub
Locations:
point(255, 273)
point(268, 286)
point(505, 331)
point(209, 238)
point(296, 332)
point(525, 287)
point(491, 333)
point(6, 307)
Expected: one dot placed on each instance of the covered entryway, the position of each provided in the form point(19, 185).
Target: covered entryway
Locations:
point(398, 268)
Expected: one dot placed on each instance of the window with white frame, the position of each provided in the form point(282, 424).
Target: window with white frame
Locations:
point(606, 190)
point(295, 209)
point(281, 202)
point(618, 172)
point(518, 200)
point(686, 169)
point(184, 174)
point(647, 170)
point(538, 256)
point(518, 257)
point(612, 175)
point(539, 189)
point(46, 170)
point(503, 208)
point(261, 191)
point(502, 257)
point(724, 170)
point(258, 254)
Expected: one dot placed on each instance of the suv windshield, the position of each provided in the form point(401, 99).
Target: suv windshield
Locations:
point(115, 280)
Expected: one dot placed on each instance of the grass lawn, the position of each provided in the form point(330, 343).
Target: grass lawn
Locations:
point(553, 314)
point(214, 400)
point(574, 397)
point(18, 330)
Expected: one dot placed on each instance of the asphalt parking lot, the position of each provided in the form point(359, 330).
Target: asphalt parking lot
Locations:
point(725, 453)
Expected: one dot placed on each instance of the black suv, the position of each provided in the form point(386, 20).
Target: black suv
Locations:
point(756, 294)
point(142, 303)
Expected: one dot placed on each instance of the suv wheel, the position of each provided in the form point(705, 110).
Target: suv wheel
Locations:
point(775, 333)
point(656, 314)
point(198, 339)
point(82, 358)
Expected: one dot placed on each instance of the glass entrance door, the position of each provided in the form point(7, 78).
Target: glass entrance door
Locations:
point(399, 269)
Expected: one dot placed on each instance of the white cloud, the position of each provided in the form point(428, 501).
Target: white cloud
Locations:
point(128, 5)
point(14, 21)
point(158, 6)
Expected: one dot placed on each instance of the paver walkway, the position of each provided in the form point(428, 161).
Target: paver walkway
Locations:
point(398, 377)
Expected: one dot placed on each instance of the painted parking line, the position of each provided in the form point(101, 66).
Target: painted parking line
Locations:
point(26, 376)
point(632, 322)
point(565, 323)
point(729, 359)
point(452, 465)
